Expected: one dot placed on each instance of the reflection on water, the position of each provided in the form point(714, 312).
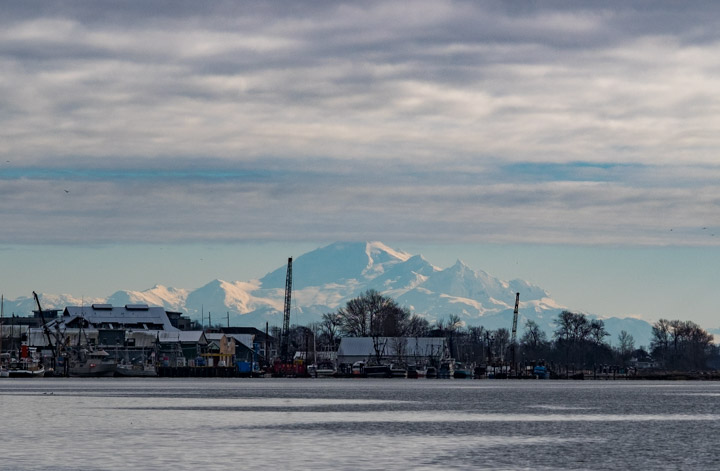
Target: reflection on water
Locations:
point(356, 424)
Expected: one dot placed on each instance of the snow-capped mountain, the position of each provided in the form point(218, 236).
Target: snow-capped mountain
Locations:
point(326, 278)
point(171, 299)
point(25, 305)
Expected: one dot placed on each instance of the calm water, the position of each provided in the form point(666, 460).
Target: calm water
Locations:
point(357, 424)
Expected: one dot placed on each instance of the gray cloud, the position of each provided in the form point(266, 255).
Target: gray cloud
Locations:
point(461, 121)
point(340, 200)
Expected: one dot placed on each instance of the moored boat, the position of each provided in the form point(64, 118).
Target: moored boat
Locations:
point(4, 363)
point(397, 371)
point(27, 366)
point(86, 362)
point(540, 372)
point(325, 369)
point(122, 369)
point(377, 371)
point(358, 369)
point(446, 370)
point(461, 372)
point(25, 370)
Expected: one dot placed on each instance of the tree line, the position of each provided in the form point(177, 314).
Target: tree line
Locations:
point(577, 341)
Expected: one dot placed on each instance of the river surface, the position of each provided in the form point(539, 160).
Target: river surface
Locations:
point(277, 424)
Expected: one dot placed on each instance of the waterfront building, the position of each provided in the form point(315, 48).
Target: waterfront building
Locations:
point(401, 350)
point(134, 332)
point(220, 350)
point(255, 340)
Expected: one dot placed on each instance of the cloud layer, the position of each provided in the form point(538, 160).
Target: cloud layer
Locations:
point(427, 121)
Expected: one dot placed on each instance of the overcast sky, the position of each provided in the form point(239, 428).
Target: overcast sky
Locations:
point(452, 126)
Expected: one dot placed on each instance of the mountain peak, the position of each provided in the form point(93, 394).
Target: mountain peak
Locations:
point(377, 248)
point(328, 277)
point(339, 262)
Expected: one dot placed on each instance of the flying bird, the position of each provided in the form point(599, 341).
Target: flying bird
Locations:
point(66, 191)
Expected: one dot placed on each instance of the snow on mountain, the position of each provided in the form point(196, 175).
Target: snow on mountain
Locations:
point(237, 298)
point(172, 299)
point(326, 278)
point(24, 305)
point(337, 263)
point(400, 277)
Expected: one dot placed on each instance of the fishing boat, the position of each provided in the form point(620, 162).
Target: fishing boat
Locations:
point(87, 362)
point(27, 366)
point(24, 369)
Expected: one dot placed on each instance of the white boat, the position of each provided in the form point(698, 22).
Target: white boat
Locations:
point(27, 366)
point(325, 369)
point(4, 363)
point(26, 370)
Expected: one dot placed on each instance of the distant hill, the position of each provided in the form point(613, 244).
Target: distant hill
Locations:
point(326, 278)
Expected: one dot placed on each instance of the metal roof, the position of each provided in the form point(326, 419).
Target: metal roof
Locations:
point(245, 339)
point(409, 346)
point(140, 315)
point(183, 336)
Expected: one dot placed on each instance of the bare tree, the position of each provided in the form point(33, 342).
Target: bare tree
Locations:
point(597, 331)
point(374, 315)
point(534, 336)
point(329, 328)
point(626, 345)
point(502, 342)
point(417, 326)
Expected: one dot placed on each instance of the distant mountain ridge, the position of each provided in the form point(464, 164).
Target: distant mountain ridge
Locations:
point(326, 278)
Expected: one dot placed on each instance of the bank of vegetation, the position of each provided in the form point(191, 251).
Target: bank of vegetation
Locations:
point(577, 342)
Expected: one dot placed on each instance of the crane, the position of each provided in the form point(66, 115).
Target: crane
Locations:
point(45, 328)
point(285, 336)
point(514, 329)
